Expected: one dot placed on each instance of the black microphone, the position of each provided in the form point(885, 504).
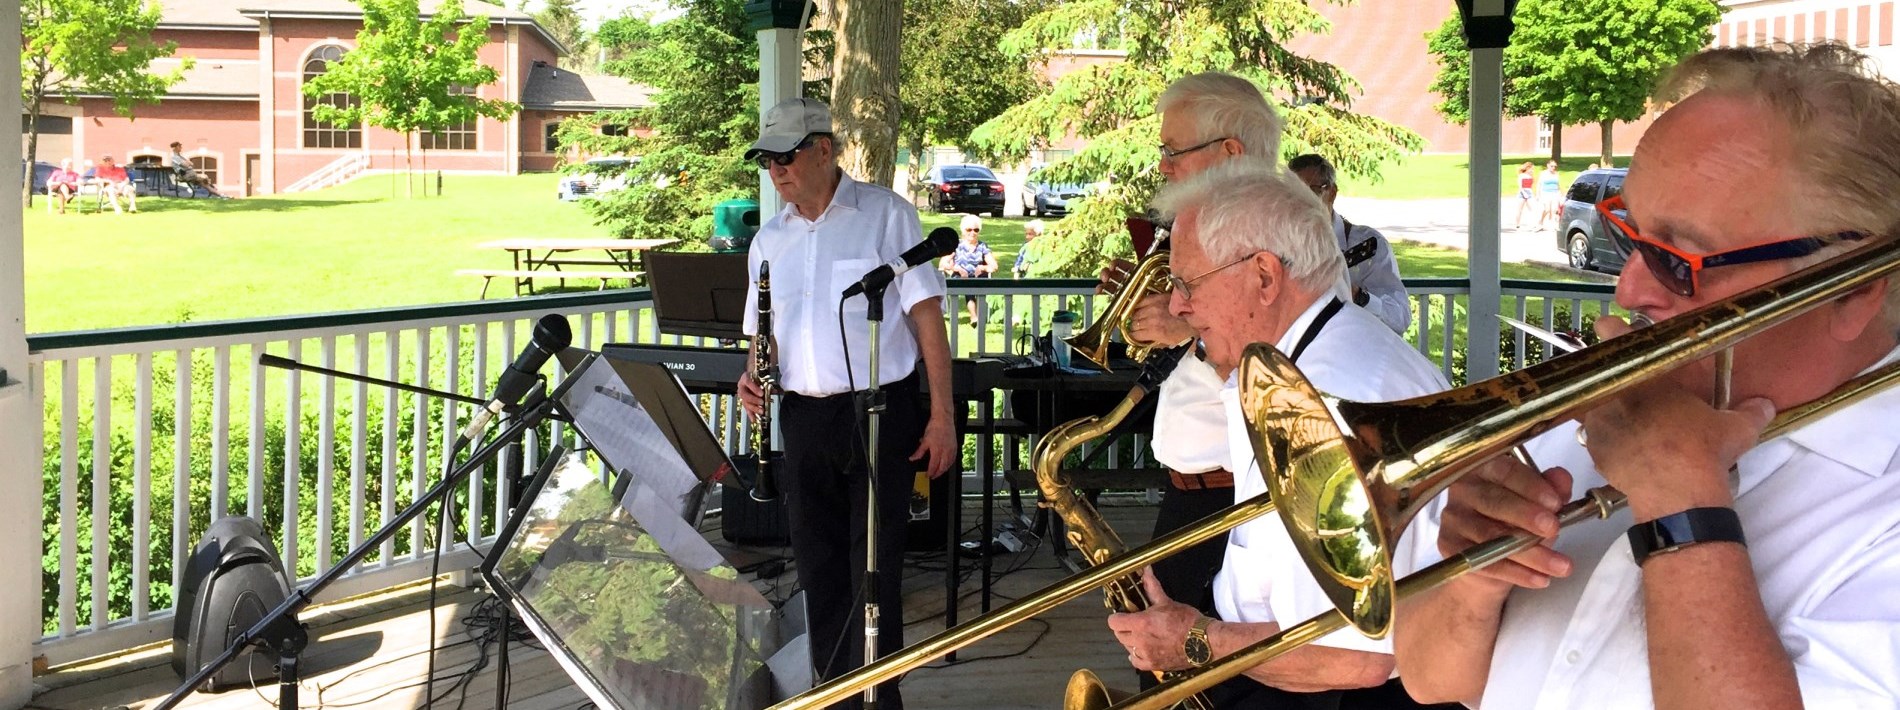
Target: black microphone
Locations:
point(941, 241)
point(551, 335)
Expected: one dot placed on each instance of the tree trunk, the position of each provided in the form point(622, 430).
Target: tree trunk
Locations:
point(408, 169)
point(864, 99)
point(32, 141)
point(1556, 141)
point(1609, 143)
point(916, 145)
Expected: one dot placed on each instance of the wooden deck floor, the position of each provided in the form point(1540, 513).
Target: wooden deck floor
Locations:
point(372, 654)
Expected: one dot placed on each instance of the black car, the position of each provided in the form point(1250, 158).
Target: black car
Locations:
point(965, 188)
point(1042, 198)
point(1582, 233)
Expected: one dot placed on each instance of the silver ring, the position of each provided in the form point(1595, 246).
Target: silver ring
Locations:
point(1583, 437)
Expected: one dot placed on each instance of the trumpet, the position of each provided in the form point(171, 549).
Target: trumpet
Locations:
point(1348, 477)
point(1149, 277)
point(765, 372)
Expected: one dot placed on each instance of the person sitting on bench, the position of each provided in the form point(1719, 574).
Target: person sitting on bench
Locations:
point(184, 174)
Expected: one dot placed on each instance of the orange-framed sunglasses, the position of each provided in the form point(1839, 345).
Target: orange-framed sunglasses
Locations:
point(1679, 271)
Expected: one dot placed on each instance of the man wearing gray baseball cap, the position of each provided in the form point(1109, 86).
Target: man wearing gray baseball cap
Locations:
point(831, 231)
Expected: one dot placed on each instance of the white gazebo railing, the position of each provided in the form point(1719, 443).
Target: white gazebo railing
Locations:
point(153, 432)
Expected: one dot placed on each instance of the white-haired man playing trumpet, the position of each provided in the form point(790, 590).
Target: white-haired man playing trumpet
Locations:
point(1255, 260)
point(1776, 590)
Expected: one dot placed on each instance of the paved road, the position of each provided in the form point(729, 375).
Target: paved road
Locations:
point(1444, 222)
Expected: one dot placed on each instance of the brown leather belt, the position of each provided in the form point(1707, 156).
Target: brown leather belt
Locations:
point(1217, 478)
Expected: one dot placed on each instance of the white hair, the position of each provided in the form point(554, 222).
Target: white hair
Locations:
point(1226, 106)
point(1034, 225)
point(1249, 206)
point(970, 221)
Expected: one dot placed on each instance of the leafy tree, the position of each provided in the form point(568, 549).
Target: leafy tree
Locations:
point(705, 66)
point(562, 18)
point(1595, 61)
point(1453, 81)
point(865, 103)
point(1578, 61)
point(1112, 105)
point(70, 48)
point(954, 77)
point(411, 75)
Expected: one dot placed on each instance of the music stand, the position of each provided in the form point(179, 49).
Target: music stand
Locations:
point(639, 415)
point(626, 595)
point(699, 294)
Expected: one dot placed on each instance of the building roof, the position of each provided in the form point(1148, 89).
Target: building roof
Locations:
point(244, 14)
point(556, 89)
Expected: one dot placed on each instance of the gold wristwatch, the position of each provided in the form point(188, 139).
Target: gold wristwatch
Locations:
point(1197, 649)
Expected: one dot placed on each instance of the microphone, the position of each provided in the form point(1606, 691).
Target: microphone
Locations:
point(941, 241)
point(551, 335)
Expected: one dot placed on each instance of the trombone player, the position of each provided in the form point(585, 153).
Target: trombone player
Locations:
point(1774, 588)
point(1255, 260)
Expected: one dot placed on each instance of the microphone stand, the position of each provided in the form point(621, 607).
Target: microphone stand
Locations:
point(279, 629)
point(276, 361)
point(873, 409)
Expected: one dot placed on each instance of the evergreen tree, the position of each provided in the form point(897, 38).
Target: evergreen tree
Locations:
point(1112, 105)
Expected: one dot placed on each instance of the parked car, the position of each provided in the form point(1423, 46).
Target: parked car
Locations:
point(1041, 198)
point(964, 188)
point(41, 171)
point(594, 177)
point(1582, 233)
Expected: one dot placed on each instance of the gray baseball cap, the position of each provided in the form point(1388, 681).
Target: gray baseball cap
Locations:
point(787, 124)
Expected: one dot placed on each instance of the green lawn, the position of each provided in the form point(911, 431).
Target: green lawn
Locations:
point(346, 248)
point(343, 248)
point(1428, 176)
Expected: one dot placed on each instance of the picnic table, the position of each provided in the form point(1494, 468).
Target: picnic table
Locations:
point(555, 258)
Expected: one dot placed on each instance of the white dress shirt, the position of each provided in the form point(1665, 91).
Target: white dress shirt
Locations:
point(1821, 510)
point(814, 261)
point(1262, 578)
point(1378, 276)
point(1190, 421)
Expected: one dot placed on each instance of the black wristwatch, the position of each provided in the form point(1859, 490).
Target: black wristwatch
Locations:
point(1361, 298)
point(1680, 530)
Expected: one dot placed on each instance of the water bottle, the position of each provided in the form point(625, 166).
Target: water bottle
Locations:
point(1059, 331)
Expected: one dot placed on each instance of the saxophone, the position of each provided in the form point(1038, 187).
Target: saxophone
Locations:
point(1091, 535)
point(764, 372)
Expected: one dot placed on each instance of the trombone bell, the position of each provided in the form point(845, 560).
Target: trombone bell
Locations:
point(1314, 472)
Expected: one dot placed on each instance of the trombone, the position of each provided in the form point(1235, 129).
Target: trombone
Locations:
point(1413, 450)
point(1350, 476)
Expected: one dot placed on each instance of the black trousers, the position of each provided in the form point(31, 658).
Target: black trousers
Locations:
point(1243, 692)
point(1188, 577)
point(823, 480)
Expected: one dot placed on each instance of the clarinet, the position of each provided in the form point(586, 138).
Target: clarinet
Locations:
point(764, 372)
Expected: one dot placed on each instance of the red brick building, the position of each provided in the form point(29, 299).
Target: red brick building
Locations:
point(243, 119)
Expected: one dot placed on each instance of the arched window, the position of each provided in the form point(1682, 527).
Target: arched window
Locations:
point(206, 166)
point(317, 134)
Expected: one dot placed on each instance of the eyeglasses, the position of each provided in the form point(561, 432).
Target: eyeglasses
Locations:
point(766, 159)
point(1679, 270)
point(1181, 285)
point(1172, 154)
point(1319, 188)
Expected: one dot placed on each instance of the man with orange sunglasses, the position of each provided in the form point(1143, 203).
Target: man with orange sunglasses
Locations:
point(1776, 589)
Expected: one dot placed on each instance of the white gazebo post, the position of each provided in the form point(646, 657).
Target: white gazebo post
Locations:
point(1487, 31)
point(778, 23)
point(19, 418)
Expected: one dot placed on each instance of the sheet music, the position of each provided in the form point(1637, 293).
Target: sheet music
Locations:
point(627, 437)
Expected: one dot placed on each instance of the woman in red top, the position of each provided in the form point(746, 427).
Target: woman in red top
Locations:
point(1526, 185)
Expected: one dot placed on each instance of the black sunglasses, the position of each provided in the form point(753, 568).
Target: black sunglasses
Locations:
point(766, 159)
